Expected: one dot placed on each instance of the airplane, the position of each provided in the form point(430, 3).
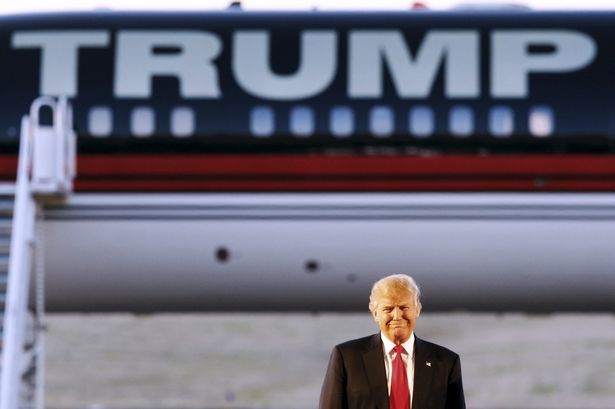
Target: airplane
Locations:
point(284, 161)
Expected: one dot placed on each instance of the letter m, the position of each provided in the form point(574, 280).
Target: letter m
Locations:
point(370, 50)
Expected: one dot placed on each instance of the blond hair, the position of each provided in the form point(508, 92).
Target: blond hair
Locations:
point(398, 282)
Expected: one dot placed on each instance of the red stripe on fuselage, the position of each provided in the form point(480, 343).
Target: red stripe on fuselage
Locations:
point(177, 172)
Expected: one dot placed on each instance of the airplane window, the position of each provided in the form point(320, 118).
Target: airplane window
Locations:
point(100, 121)
point(341, 121)
point(541, 121)
point(262, 121)
point(142, 122)
point(421, 121)
point(501, 121)
point(302, 121)
point(182, 122)
point(461, 121)
point(381, 122)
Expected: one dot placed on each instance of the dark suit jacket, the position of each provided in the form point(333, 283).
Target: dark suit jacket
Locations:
point(356, 377)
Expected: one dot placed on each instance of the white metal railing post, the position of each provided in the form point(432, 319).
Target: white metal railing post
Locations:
point(64, 146)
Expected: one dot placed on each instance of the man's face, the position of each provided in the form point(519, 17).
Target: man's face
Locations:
point(396, 315)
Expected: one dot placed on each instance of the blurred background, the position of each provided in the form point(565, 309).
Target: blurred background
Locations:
point(278, 360)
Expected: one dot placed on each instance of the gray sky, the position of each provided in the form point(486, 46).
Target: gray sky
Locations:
point(12, 6)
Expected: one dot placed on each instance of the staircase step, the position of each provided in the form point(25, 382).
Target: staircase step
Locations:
point(6, 208)
point(5, 245)
point(4, 263)
point(7, 189)
point(6, 227)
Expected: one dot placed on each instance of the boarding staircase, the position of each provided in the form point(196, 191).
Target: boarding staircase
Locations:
point(46, 168)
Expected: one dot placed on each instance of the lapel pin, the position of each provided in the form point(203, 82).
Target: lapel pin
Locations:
point(428, 364)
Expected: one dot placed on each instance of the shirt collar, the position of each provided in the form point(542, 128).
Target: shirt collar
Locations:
point(389, 345)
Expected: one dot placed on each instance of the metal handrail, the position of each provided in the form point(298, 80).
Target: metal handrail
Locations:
point(58, 181)
point(18, 275)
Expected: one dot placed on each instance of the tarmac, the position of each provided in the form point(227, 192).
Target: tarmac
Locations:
point(203, 361)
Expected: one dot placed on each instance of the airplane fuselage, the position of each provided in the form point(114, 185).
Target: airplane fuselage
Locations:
point(284, 161)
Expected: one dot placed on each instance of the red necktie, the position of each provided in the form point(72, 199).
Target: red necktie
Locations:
point(400, 395)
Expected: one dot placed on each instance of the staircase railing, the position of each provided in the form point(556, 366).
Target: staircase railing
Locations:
point(46, 167)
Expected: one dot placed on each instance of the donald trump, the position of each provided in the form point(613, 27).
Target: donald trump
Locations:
point(393, 369)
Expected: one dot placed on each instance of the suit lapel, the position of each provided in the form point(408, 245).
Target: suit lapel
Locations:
point(373, 361)
point(422, 375)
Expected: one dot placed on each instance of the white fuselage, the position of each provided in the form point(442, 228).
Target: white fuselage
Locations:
point(322, 252)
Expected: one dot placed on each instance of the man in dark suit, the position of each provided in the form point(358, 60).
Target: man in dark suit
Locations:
point(393, 369)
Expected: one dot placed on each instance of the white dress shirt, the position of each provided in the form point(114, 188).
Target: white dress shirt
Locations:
point(389, 356)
